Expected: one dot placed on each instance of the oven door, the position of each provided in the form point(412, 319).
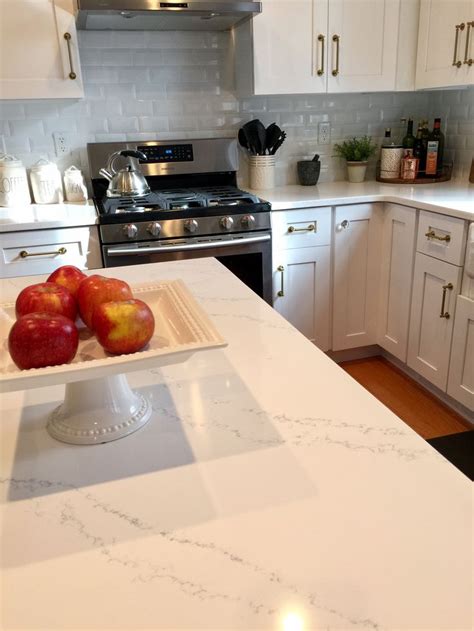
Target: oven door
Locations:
point(249, 257)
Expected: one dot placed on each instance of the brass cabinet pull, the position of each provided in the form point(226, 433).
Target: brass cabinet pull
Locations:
point(456, 62)
point(469, 61)
point(432, 235)
point(320, 70)
point(67, 37)
point(310, 228)
point(336, 38)
point(444, 314)
point(281, 293)
point(24, 253)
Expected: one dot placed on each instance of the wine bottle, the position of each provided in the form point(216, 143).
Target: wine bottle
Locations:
point(438, 135)
point(408, 141)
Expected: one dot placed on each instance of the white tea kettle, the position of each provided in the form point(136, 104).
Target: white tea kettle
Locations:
point(129, 181)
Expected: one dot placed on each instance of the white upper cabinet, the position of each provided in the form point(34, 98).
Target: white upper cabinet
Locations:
point(363, 41)
point(314, 46)
point(445, 48)
point(39, 56)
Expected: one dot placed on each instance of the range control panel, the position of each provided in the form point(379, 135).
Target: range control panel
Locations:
point(167, 153)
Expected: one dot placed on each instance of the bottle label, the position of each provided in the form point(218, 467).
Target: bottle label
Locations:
point(432, 157)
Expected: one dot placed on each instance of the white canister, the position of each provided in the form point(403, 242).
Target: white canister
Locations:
point(390, 162)
point(14, 189)
point(46, 183)
point(262, 172)
point(74, 186)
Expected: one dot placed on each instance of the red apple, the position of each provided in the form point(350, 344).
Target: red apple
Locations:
point(95, 290)
point(42, 339)
point(123, 327)
point(68, 276)
point(46, 298)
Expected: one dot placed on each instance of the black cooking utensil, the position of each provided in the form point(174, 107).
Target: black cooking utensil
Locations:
point(272, 135)
point(278, 143)
point(252, 130)
point(249, 134)
point(262, 137)
point(316, 158)
point(243, 139)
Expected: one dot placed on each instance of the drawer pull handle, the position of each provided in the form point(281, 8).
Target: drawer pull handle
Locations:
point(336, 38)
point(467, 61)
point(320, 70)
point(24, 253)
point(310, 228)
point(445, 314)
point(72, 74)
point(432, 235)
point(456, 62)
point(281, 293)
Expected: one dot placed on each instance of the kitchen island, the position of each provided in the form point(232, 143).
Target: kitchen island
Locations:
point(268, 491)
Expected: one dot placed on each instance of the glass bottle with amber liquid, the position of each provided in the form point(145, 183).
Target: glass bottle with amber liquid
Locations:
point(435, 150)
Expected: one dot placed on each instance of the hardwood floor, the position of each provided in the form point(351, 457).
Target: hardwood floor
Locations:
point(413, 404)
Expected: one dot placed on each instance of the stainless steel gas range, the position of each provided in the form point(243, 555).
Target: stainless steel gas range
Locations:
point(194, 209)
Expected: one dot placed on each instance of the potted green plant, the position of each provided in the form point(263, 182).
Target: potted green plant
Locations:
point(356, 152)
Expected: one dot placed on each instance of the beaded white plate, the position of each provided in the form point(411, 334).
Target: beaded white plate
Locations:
point(182, 328)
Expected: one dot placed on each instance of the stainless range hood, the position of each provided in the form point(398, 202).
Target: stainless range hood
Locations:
point(163, 15)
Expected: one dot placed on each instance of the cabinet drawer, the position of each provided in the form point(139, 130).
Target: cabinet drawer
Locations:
point(302, 228)
point(442, 237)
point(43, 251)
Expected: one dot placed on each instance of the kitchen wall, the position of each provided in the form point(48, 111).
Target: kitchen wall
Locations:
point(149, 85)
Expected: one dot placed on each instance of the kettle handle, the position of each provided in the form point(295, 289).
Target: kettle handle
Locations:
point(128, 153)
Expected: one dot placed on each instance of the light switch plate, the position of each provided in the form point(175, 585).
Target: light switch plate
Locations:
point(324, 133)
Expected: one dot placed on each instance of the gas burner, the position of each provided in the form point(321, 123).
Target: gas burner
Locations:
point(230, 201)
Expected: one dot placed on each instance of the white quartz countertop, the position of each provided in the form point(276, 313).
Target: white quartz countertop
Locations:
point(451, 198)
point(269, 489)
point(43, 216)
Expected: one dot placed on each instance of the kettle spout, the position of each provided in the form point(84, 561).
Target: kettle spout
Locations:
point(106, 174)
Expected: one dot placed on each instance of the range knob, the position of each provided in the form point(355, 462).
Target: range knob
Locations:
point(154, 228)
point(191, 225)
point(226, 223)
point(130, 230)
point(248, 221)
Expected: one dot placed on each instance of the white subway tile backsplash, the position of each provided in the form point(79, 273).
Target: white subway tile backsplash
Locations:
point(163, 85)
point(153, 123)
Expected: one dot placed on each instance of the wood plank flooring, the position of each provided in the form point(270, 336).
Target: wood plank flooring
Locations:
point(407, 399)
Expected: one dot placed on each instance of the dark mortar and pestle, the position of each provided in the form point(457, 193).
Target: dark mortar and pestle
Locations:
point(308, 171)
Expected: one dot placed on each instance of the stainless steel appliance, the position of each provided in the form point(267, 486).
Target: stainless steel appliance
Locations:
point(167, 15)
point(129, 181)
point(194, 209)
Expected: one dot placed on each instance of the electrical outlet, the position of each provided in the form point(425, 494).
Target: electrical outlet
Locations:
point(324, 133)
point(61, 143)
point(3, 146)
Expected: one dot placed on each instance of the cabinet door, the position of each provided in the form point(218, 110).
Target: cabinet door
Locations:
point(461, 366)
point(36, 61)
point(282, 49)
point(363, 42)
point(442, 53)
point(435, 287)
point(356, 275)
point(301, 291)
point(398, 254)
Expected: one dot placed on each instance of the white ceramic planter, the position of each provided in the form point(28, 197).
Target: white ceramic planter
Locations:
point(356, 171)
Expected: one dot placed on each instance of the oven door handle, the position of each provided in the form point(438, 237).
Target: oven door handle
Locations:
point(183, 247)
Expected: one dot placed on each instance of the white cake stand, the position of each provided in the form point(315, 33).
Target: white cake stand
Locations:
point(99, 406)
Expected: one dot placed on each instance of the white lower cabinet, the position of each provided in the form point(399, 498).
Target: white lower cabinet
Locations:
point(436, 285)
point(42, 251)
point(396, 277)
point(356, 275)
point(461, 367)
point(301, 291)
